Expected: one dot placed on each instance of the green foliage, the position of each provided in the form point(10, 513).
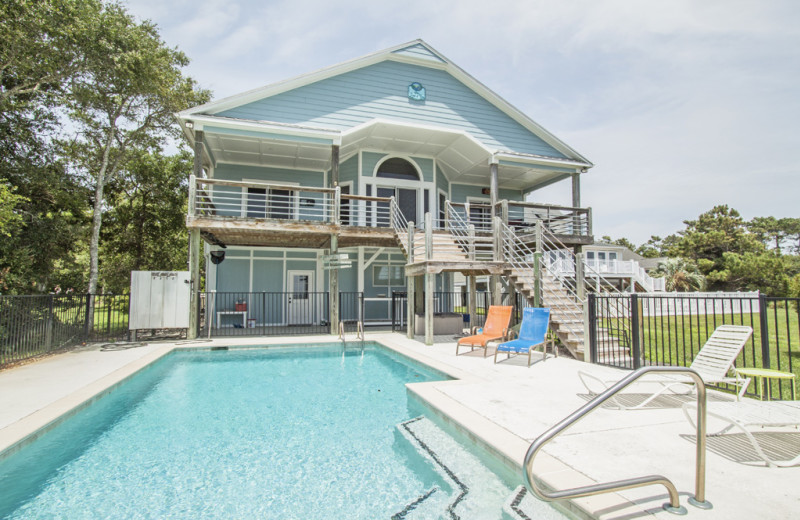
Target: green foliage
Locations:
point(146, 227)
point(681, 275)
point(121, 104)
point(10, 218)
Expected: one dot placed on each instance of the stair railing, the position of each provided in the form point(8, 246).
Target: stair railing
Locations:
point(401, 228)
point(674, 505)
point(480, 248)
point(521, 259)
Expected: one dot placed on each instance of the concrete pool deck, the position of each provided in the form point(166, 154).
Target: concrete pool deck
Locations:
point(503, 407)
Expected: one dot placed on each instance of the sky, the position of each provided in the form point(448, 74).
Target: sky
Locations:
point(680, 104)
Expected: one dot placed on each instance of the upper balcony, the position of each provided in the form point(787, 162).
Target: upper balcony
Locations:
point(275, 215)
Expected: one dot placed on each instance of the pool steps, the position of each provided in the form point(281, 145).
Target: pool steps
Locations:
point(470, 482)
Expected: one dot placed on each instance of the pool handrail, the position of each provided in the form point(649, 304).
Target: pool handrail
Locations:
point(673, 506)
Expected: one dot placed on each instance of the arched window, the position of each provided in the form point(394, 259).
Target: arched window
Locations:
point(397, 168)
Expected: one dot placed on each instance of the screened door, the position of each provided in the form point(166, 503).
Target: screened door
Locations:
point(300, 308)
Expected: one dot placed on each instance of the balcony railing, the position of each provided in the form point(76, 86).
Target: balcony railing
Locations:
point(281, 202)
point(559, 220)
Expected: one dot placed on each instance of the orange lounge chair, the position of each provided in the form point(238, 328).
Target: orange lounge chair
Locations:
point(496, 327)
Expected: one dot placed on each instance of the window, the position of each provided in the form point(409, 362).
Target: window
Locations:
point(387, 275)
point(397, 168)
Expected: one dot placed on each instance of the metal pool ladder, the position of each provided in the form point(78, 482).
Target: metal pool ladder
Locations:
point(359, 332)
point(673, 506)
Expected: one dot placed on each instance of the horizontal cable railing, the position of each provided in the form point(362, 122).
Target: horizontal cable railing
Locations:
point(478, 215)
point(361, 211)
point(561, 220)
point(260, 200)
point(475, 247)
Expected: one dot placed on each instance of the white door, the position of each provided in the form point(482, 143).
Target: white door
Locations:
point(300, 302)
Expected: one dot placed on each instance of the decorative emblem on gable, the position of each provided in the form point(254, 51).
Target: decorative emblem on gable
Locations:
point(416, 91)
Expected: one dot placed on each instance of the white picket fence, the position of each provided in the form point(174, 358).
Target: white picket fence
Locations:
point(699, 303)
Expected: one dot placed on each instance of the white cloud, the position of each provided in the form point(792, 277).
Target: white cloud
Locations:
point(681, 104)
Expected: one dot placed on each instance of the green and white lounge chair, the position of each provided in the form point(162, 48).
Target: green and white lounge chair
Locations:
point(713, 362)
point(753, 417)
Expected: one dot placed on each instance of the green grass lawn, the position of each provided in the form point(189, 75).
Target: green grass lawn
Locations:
point(675, 340)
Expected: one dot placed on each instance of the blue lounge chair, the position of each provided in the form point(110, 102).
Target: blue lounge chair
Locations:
point(532, 333)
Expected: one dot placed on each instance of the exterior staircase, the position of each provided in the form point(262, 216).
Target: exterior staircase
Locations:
point(566, 314)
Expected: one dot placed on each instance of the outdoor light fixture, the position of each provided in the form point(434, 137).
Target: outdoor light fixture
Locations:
point(486, 191)
point(217, 257)
point(189, 125)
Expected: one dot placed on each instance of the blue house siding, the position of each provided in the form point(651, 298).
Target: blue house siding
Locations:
point(380, 91)
point(348, 172)
point(441, 182)
point(460, 192)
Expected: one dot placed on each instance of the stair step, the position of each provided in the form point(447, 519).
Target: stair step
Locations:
point(522, 505)
point(474, 490)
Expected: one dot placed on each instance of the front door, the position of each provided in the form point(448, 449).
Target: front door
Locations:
point(300, 303)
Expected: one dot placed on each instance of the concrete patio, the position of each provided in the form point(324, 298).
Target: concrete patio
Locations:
point(500, 407)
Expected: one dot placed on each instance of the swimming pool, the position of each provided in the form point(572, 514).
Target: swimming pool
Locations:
point(244, 433)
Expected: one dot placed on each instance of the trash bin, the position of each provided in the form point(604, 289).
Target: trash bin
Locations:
point(251, 323)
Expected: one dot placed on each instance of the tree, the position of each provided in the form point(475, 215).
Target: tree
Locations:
point(707, 239)
point(146, 227)
point(765, 272)
point(122, 103)
point(680, 275)
point(42, 45)
point(9, 216)
point(767, 230)
point(791, 229)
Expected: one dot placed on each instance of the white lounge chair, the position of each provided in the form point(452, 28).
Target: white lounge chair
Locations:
point(713, 362)
point(749, 415)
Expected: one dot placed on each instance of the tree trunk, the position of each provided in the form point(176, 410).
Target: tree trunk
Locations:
point(97, 221)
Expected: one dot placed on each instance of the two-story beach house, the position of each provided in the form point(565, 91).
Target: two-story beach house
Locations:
point(384, 174)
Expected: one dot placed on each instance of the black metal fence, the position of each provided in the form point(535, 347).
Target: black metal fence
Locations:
point(455, 303)
point(38, 324)
point(274, 313)
point(629, 331)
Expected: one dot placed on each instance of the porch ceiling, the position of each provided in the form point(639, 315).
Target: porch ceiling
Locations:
point(258, 151)
point(461, 158)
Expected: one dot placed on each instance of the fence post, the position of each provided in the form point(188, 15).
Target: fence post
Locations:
point(635, 340)
point(48, 338)
point(108, 316)
point(764, 326)
point(86, 317)
point(592, 311)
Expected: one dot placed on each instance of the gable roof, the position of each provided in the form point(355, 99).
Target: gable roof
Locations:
point(416, 52)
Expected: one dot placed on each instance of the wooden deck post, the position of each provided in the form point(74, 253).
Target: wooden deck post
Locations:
point(472, 296)
point(192, 195)
point(537, 266)
point(429, 280)
point(411, 297)
point(580, 277)
point(493, 191)
point(334, 166)
point(197, 169)
point(576, 190)
point(333, 287)
point(194, 283)
point(497, 288)
point(411, 311)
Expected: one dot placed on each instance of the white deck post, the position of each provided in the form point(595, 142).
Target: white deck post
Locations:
point(333, 287)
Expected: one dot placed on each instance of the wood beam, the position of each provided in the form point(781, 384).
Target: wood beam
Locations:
point(194, 283)
point(576, 190)
point(198, 154)
point(334, 166)
point(333, 289)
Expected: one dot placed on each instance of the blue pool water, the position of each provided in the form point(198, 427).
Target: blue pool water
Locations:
point(251, 433)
